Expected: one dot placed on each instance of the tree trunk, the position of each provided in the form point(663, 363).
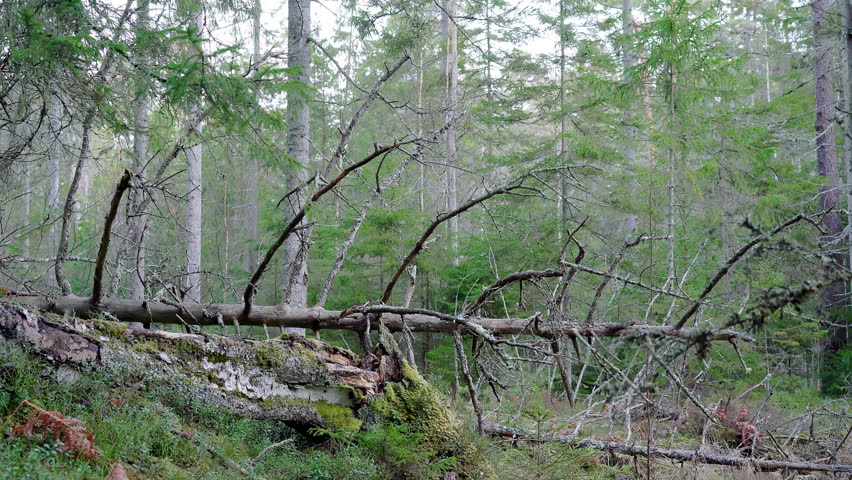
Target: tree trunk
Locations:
point(140, 158)
point(193, 196)
point(451, 79)
point(627, 60)
point(562, 205)
point(54, 158)
point(253, 168)
point(298, 136)
point(825, 143)
point(282, 379)
point(68, 209)
point(320, 319)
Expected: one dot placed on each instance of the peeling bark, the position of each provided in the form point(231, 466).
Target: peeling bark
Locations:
point(280, 379)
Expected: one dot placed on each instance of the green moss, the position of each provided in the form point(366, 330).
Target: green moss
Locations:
point(338, 417)
point(410, 373)
point(146, 346)
point(211, 377)
point(111, 329)
point(278, 401)
point(270, 355)
point(185, 346)
point(356, 395)
point(418, 405)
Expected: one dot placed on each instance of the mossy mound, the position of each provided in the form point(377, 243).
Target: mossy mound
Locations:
point(416, 404)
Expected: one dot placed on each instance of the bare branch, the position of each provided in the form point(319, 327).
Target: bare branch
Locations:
point(97, 285)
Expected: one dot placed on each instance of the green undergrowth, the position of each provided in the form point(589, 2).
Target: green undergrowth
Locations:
point(151, 428)
point(158, 434)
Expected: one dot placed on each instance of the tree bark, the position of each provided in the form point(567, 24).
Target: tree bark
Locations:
point(54, 159)
point(298, 145)
point(137, 223)
point(70, 201)
point(451, 78)
point(320, 319)
point(825, 143)
point(253, 168)
point(193, 194)
point(628, 62)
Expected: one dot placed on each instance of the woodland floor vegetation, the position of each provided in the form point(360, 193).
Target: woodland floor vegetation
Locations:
point(426, 239)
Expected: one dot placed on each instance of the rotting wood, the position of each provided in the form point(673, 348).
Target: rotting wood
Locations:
point(279, 379)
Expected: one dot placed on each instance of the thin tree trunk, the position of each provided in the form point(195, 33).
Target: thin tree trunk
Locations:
point(298, 136)
point(68, 210)
point(54, 158)
point(25, 250)
point(140, 158)
point(847, 143)
point(627, 60)
point(253, 168)
point(451, 78)
point(562, 204)
point(422, 182)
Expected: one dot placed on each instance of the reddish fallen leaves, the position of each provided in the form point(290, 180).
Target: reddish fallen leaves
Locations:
point(118, 473)
point(71, 433)
point(745, 432)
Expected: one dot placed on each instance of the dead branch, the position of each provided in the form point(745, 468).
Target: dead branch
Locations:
point(418, 246)
point(97, 285)
point(720, 274)
point(365, 209)
point(468, 380)
point(495, 287)
point(676, 455)
point(625, 280)
point(340, 151)
point(248, 295)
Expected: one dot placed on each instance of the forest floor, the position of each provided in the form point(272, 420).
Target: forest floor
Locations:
point(156, 432)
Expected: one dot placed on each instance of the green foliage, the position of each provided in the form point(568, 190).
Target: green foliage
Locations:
point(403, 453)
point(552, 461)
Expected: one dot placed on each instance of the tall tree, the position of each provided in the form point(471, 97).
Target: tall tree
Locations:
point(825, 141)
point(193, 200)
point(449, 32)
point(253, 166)
point(140, 157)
point(298, 144)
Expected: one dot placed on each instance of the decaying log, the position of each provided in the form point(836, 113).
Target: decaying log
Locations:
point(672, 454)
point(320, 319)
point(280, 379)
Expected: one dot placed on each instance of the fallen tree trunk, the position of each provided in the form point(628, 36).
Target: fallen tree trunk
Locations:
point(287, 379)
point(320, 319)
point(671, 454)
point(301, 382)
